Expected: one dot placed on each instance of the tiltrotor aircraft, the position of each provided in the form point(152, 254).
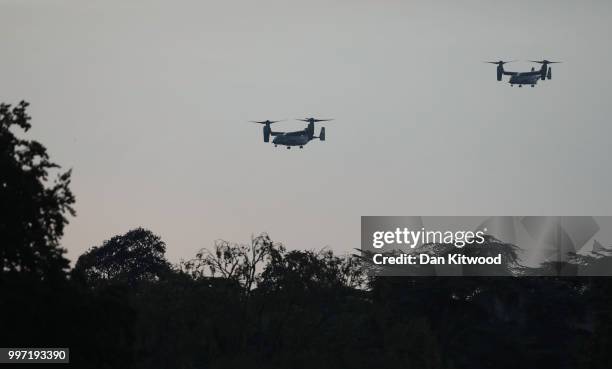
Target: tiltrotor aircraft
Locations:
point(296, 138)
point(525, 78)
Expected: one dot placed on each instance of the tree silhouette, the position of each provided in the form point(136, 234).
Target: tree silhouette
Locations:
point(33, 209)
point(306, 270)
point(134, 257)
point(238, 262)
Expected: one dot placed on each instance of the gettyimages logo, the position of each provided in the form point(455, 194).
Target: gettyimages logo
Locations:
point(404, 236)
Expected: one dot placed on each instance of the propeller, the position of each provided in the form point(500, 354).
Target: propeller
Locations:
point(545, 62)
point(267, 121)
point(501, 62)
point(314, 120)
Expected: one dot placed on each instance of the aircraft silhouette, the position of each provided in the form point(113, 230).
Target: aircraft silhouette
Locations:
point(525, 78)
point(295, 138)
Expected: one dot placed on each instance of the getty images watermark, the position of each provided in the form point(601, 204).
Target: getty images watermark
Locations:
point(487, 245)
point(405, 237)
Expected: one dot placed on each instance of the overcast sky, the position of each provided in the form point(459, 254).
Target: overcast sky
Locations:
point(148, 102)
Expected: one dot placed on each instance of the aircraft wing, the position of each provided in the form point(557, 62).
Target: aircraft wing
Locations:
point(510, 73)
point(276, 133)
point(534, 73)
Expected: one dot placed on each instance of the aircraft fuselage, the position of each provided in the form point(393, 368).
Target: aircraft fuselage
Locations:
point(528, 78)
point(299, 138)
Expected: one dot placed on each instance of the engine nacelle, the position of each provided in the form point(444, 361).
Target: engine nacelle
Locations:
point(322, 134)
point(543, 72)
point(549, 75)
point(500, 72)
point(266, 133)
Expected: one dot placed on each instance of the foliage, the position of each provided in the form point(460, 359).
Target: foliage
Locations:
point(237, 262)
point(131, 258)
point(33, 208)
point(307, 270)
point(303, 311)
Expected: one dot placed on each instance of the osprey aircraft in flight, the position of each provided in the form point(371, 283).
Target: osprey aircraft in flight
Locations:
point(295, 138)
point(525, 78)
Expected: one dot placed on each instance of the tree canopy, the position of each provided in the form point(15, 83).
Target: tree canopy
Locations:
point(137, 256)
point(34, 203)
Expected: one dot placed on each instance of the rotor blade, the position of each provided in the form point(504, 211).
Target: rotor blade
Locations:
point(544, 62)
point(267, 121)
point(500, 62)
point(313, 120)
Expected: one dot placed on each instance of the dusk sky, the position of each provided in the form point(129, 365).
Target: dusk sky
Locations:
point(149, 103)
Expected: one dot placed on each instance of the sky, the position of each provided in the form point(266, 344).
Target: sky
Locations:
point(149, 101)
